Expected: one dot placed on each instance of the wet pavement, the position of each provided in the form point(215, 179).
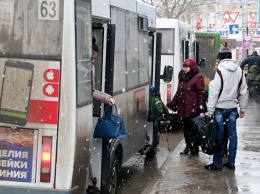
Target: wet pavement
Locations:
point(139, 171)
point(185, 174)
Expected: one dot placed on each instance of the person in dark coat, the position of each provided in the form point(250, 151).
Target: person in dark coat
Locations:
point(189, 102)
point(253, 62)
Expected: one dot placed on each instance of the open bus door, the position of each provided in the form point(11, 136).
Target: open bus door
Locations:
point(105, 39)
point(109, 164)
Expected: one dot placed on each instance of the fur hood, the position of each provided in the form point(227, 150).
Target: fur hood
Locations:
point(188, 76)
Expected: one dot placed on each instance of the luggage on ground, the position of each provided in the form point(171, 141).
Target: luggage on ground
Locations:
point(206, 134)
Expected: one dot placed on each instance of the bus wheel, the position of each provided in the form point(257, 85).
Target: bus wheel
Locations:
point(152, 152)
point(156, 139)
point(114, 175)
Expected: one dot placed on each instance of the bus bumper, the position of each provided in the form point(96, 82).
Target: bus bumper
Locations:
point(22, 190)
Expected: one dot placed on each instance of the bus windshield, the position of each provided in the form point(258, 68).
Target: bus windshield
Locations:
point(167, 40)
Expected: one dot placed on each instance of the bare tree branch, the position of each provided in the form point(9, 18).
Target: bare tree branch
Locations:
point(174, 8)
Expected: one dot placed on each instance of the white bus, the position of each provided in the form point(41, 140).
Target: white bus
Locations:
point(178, 44)
point(46, 115)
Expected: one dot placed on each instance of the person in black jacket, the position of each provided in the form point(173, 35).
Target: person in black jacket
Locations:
point(254, 87)
point(251, 60)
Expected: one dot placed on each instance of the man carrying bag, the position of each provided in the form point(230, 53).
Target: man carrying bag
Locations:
point(225, 92)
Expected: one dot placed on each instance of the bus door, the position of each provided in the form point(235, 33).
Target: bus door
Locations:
point(155, 43)
point(103, 77)
point(196, 51)
point(98, 34)
point(185, 49)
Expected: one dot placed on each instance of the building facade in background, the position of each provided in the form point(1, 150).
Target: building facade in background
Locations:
point(229, 19)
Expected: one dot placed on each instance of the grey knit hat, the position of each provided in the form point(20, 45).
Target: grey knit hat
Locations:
point(224, 53)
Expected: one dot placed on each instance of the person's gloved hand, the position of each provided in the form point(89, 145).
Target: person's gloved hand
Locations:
point(170, 106)
point(201, 109)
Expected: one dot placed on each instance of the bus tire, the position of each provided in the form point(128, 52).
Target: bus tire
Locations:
point(152, 152)
point(156, 139)
point(114, 175)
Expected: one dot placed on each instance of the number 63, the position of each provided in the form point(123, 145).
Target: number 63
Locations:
point(48, 9)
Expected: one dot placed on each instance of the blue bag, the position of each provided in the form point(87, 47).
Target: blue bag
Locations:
point(110, 126)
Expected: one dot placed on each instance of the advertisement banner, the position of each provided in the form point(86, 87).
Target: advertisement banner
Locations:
point(247, 42)
point(29, 92)
point(16, 154)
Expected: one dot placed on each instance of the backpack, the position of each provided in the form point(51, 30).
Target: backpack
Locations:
point(253, 76)
point(206, 134)
point(222, 82)
point(156, 107)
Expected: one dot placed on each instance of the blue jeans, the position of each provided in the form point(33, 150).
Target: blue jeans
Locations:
point(228, 117)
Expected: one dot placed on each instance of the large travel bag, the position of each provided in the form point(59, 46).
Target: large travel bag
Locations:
point(206, 134)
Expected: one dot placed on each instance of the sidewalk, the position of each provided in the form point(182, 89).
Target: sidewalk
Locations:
point(185, 174)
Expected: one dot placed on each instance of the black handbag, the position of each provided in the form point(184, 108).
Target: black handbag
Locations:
point(206, 134)
point(110, 125)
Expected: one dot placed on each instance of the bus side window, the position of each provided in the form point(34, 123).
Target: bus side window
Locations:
point(83, 52)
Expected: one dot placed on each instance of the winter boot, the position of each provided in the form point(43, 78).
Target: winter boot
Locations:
point(194, 150)
point(186, 150)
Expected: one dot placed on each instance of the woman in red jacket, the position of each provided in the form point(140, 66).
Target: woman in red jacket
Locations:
point(189, 102)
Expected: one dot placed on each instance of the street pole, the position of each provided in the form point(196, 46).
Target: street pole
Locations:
point(258, 20)
point(245, 23)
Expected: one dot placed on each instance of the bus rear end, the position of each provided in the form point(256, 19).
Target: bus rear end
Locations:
point(40, 146)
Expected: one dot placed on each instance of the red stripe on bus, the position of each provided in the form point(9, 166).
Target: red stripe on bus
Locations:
point(42, 111)
point(139, 95)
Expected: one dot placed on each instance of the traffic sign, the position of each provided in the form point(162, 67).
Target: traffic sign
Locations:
point(253, 29)
point(232, 28)
point(239, 29)
point(233, 16)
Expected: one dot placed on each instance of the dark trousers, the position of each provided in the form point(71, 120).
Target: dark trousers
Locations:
point(254, 92)
point(189, 135)
point(225, 141)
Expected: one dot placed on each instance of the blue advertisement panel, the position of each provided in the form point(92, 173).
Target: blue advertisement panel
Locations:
point(232, 29)
point(16, 154)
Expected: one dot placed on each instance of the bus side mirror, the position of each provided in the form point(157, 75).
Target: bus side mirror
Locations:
point(167, 74)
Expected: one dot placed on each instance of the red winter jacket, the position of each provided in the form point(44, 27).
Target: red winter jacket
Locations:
point(189, 98)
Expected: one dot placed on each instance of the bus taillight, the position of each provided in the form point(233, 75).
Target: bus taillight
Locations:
point(169, 92)
point(46, 159)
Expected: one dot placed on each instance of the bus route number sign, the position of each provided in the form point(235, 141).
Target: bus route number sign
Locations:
point(48, 9)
